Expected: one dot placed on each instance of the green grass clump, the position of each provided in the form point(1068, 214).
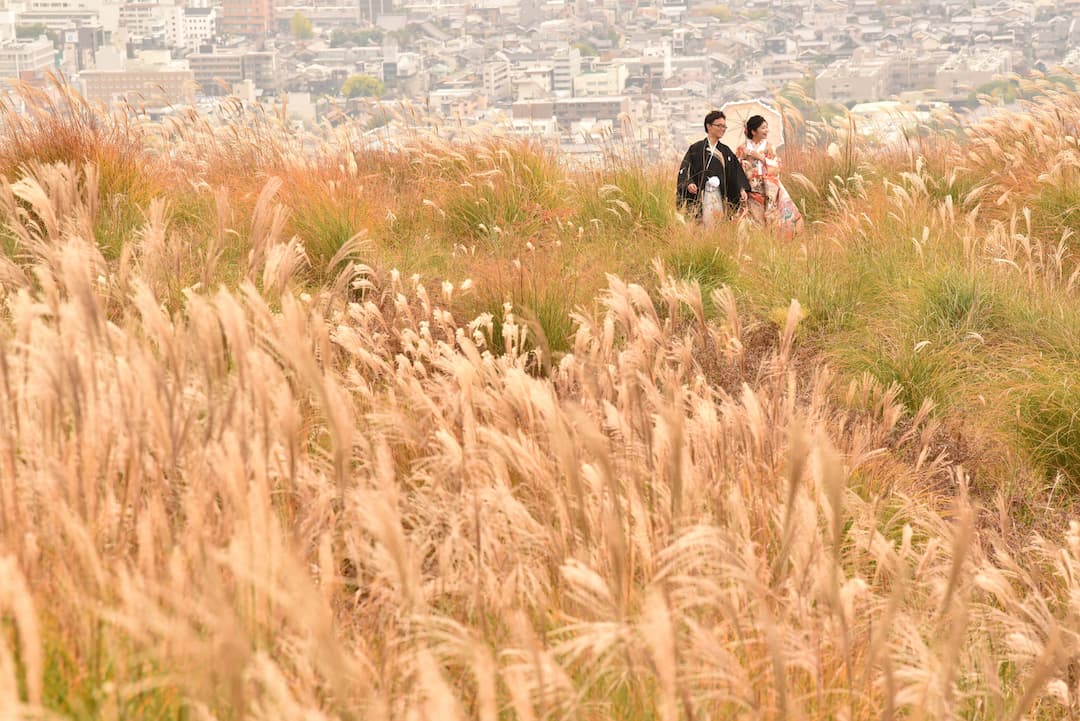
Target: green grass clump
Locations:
point(504, 193)
point(921, 370)
point(1046, 402)
point(703, 263)
point(326, 219)
point(626, 198)
point(1056, 208)
point(957, 304)
point(519, 290)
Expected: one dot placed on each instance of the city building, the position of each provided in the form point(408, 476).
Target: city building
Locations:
point(80, 47)
point(913, 70)
point(962, 73)
point(457, 102)
point(371, 10)
point(565, 67)
point(158, 86)
point(610, 80)
point(26, 59)
point(218, 71)
point(861, 78)
point(145, 19)
point(496, 79)
point(200, 25)
point(247, 18)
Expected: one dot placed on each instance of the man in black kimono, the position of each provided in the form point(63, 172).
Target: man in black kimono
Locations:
point(709, 158)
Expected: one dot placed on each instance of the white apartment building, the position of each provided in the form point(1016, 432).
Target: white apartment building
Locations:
point(60, 5)
point(859, 79)
point(200, 24)
point(496, 79)
point(962, 73)
point(174, 26)
point(604, 81)
point(533, 81)
point(60, 14)
point(20, 58)
point(566, 65)
point(146, 19)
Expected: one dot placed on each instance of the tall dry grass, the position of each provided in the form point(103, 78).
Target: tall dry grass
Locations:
point(240, 477)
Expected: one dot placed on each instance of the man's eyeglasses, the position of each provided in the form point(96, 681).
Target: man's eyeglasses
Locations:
point(719, 124)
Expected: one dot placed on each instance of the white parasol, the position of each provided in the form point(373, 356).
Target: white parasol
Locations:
point(739, 111)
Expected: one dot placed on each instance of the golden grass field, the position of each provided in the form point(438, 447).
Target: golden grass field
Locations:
point(315, 432)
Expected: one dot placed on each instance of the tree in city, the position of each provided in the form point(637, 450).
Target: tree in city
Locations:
point(586, 49)
point(300, 27)
point(1003, 90)
point(342, 37)
point(362, 86)
point(30, 32)
point(35, 31)
point(720, 12)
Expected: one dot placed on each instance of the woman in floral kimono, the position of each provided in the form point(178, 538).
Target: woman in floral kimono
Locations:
point(768, 202)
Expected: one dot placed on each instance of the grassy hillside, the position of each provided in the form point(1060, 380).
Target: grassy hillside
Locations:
point(296, 430)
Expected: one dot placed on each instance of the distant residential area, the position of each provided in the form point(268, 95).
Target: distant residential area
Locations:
point(574, 71)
